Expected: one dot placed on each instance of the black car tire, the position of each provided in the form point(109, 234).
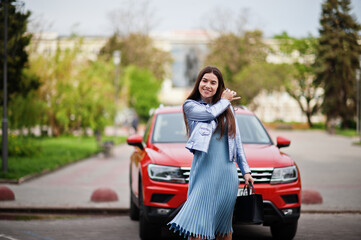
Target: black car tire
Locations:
point(133, 209)
point(147, 230)
point(285, 231)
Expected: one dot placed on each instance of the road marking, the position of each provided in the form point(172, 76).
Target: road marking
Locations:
point(8, 237)
point(37, 236)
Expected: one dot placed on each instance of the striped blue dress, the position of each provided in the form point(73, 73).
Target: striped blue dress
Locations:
point(212, 192)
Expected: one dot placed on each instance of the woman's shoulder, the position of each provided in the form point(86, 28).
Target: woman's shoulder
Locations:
point(189, 102)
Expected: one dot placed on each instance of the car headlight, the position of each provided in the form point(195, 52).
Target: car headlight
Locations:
point(166, 173)
point(284, 175)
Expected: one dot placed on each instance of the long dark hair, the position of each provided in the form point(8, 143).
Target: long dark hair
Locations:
point(227, 114)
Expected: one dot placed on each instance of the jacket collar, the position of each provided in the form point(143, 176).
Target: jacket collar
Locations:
point(203, 102)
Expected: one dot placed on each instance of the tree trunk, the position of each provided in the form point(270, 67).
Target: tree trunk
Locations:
point(309, 115)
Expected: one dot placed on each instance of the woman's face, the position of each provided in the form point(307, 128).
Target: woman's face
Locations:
point(208, 87)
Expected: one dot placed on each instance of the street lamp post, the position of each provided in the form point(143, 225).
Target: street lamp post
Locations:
point(358, 102)
point(5, 120)
point(117, 56)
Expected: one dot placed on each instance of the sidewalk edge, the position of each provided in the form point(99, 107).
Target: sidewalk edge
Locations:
point(122, 211)
point(64, 210)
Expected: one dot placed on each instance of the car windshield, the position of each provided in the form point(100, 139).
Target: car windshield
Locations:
point(251, 129)
point(170, 128)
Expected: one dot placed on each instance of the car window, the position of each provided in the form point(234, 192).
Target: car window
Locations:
point(251, 129)
point(169, 128)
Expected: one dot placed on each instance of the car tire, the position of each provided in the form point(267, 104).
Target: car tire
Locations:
point(147, 230)
point(133, 209)
point(285, 231)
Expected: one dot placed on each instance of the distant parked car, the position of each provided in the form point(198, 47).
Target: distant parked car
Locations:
point(160, 166)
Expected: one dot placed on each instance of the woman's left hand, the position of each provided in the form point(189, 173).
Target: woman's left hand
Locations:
point(248, 179)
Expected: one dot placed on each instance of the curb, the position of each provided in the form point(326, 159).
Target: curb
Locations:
point(28, 177)
point(65, 210)
point(120, 211)
point(331, 211)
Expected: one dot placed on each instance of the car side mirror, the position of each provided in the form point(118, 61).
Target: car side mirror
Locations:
point(283, 142)
point(136, 141)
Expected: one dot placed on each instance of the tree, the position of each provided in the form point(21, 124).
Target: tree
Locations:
point(79, 94)
point(337, 59)
point(254, 78)
point(138, 50)
point(19, 81)
point(131, 25)
point(225, 53)
point(301, 86)
point(25, 112)
point(143, 90)
point(242, 61)
point(231, 52)
point(134, 16)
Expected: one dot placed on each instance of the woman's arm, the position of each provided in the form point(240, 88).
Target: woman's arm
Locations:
point(241, 156)
point(196, 111)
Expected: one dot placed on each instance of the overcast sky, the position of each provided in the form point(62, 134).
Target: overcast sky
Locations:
point(89, 17)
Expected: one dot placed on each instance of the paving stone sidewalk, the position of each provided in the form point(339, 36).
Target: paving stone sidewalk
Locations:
point(73, 185)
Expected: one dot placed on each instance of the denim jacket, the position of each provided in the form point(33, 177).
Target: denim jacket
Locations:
point(202, 121)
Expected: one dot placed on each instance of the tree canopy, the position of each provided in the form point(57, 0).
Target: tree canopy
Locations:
point(20, 80)
point(242, 61)
point(138, 49)
point(77, 94)
point(337, 58)
point(143, 90)
point(300, 86)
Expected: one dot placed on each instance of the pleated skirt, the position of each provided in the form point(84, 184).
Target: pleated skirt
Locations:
point(212, 193)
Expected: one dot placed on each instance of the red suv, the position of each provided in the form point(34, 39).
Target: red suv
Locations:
point(160, 166)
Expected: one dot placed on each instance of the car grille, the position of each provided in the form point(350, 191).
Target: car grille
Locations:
point(260, 175)
point(186, 171)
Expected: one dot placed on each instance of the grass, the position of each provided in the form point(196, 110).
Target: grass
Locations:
point(55, 153)
point(346, 132)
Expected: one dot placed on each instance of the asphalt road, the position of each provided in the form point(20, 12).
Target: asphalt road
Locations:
point(329, 164)
point(311, 226)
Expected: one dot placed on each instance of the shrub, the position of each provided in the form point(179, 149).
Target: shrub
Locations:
point(20, 146)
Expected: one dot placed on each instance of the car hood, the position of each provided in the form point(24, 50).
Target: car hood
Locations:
point(171, 154)
point(258, 155)
point(266, 156)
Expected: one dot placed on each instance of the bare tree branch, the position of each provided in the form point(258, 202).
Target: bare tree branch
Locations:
point(134, 16)
point(225, 21)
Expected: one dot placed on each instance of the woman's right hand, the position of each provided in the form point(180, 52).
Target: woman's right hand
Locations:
point(230, 95)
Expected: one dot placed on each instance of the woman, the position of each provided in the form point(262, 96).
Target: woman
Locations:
point(215, 141)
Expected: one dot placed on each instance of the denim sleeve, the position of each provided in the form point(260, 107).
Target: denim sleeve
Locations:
point(241, 156)
point(196, 111)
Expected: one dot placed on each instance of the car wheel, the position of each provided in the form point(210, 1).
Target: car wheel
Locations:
point(285, 231)
point(133, 209)
point(147, 230)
